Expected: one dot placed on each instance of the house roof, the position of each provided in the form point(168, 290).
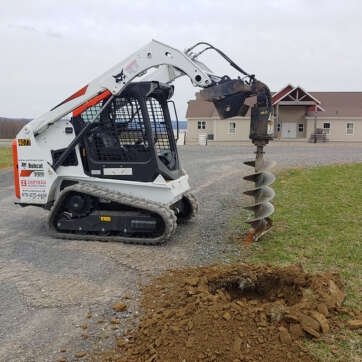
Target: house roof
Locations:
point(197, 108)
point(332, 104)
point(277, 96)
point(340, 104)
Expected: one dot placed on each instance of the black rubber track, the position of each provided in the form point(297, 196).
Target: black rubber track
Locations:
point(164, 211)
point(194, 207)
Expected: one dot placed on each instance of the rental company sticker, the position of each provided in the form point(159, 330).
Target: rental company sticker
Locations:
point(33, 183)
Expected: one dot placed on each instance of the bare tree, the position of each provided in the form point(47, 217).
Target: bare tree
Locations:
point(10, 127)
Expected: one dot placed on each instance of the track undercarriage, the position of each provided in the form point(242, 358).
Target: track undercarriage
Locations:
point(86, 212)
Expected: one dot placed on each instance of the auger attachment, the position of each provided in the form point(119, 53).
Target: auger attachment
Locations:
point(261, 132)
point(228, 96)
point(262, 193)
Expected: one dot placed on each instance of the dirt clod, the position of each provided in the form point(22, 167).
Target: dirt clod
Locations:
point(322, 321)
point(80, 354)
point(336, 293)
point(192, 281)
point(296, 331)
point(312, 332)
point(119, 307)
point(354, 324)
point(308, 322)
point(284, 336)
point(233, 312)
point(322, 308)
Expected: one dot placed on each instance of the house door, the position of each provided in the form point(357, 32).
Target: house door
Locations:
point(289, 130)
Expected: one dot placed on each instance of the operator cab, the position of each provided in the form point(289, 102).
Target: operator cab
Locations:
point(132, 138)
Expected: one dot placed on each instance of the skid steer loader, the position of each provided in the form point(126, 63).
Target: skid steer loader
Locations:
point(105, 163)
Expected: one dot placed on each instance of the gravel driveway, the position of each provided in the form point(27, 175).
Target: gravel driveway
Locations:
point(48, 286)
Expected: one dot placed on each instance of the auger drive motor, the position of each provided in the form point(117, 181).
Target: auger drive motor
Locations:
point(105, 163)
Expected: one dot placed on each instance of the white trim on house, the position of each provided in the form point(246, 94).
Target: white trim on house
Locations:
point(317, 100)
point(291, 91)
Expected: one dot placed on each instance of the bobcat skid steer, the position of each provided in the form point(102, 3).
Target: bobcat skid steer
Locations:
point(104, 161)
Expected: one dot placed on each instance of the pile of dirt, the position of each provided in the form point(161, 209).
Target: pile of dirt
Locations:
point(231, 313)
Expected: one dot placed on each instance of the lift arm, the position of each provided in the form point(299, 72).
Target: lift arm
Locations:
point(228, 95)
point(171, 62)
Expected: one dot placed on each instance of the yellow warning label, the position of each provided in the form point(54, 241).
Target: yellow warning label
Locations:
point(24, 142)
point(105, 218)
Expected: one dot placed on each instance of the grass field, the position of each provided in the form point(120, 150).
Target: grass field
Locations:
point(6, 157)
point(318, 223)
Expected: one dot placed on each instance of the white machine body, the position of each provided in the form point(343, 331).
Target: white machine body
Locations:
point(38, 183)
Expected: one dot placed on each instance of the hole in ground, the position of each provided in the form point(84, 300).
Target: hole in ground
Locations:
point(265, 288)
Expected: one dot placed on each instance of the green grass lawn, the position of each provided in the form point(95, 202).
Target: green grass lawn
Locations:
point(318, 223)
point(6, 157)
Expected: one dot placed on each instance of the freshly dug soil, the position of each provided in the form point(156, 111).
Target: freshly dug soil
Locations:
point(231, 313)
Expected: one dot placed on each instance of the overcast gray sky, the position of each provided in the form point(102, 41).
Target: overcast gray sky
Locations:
point(49, 48)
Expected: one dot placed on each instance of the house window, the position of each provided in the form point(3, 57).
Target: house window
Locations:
point(300, 127)
point(327, 128)
point(232, 128)
point(278, 127)
point(350, 129)
point(201, 124)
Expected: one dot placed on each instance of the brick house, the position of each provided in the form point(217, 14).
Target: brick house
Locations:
point(297, 113)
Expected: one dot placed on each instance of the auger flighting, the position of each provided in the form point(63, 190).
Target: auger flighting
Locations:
point(262, 193)
point(261, 131)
